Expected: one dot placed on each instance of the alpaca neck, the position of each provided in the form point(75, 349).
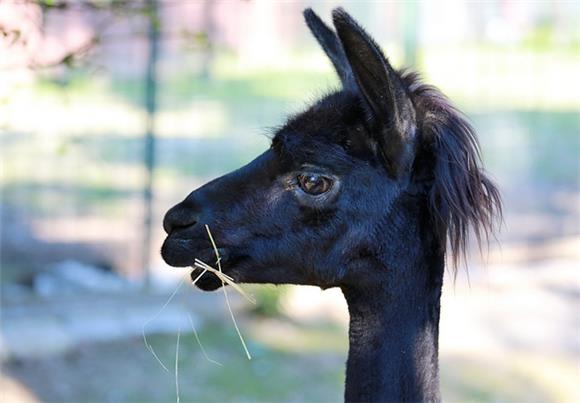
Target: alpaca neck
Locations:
point(394, 341)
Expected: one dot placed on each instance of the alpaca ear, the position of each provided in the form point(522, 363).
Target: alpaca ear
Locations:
point(331, 46)
point(383, 91)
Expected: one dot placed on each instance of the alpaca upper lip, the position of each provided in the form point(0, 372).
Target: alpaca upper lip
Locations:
point(179, 252)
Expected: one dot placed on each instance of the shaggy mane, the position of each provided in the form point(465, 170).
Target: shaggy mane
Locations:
point(462, 197)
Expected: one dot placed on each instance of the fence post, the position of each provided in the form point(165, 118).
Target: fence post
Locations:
point(149, 152)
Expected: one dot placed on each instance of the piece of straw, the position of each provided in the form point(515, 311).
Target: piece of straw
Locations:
point(198, 277)
point(214, 271)
point(224, 278)
point(149, 347)
point(199, 342)
point(177, 366)
point(218, 262)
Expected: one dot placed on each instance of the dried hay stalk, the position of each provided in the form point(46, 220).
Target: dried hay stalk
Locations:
point(144, 331)
point(177, 366)
point(225, 279)
point(199, 342)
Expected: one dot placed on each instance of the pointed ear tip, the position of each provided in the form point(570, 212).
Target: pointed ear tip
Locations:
point(310, 17)
point(343, 21)
point(339, 14)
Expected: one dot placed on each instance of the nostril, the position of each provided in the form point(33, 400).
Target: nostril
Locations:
point(178, 217)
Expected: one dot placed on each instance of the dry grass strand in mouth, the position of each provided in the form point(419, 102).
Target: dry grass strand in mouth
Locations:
point(225, 279)
point(199, 342)
point(177, 366)
point(143, 329)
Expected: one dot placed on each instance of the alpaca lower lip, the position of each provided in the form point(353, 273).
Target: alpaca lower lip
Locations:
point(209, 281)
point(205, 281)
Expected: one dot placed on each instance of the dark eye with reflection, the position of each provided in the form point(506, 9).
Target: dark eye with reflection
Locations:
point(314, 184)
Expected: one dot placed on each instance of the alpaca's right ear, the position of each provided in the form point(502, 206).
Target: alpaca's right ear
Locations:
point(331, 46)
point(383, 91)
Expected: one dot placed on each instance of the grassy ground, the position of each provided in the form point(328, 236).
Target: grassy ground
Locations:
point(126, 371)
point(290, 363)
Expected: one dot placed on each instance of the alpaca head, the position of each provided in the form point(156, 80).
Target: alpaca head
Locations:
point(373, 165)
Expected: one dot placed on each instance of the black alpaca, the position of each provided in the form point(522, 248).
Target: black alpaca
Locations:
point(362, 191)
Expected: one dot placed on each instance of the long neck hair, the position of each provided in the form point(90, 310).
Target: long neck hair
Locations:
point(462, 198)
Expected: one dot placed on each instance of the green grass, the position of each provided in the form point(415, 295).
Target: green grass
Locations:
point(311, 368)
point(126, 371)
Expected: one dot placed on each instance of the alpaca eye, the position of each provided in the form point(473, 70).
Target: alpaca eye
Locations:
point(314, 184)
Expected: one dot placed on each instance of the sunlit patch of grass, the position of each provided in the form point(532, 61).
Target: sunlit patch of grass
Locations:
point(558, 375)
point(288, 337)
point(508, 378)
point(271, 375)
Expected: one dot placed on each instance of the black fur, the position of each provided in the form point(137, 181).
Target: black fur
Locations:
point(407, 181)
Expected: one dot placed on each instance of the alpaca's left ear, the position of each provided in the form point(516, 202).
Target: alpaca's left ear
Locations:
point(383, 91)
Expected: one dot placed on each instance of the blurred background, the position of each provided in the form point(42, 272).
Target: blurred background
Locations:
point(112, 111)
